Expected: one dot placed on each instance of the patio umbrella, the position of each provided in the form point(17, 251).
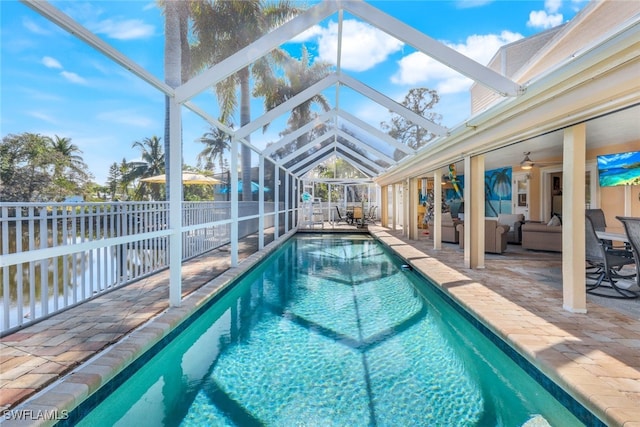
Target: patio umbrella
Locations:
point(188, 178)
point(255, 187)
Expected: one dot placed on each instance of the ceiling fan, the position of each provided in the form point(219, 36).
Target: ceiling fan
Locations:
point(527, 163)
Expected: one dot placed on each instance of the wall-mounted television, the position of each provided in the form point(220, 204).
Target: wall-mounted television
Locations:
point(619, 169)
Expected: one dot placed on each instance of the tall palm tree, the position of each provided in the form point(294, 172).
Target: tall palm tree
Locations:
point(216, 143)
point(298, 76)
point(67, 157)
point(224, 27)
point(153, 163)
point(176, 60)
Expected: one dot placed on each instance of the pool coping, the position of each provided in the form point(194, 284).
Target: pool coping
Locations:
point(607, 403)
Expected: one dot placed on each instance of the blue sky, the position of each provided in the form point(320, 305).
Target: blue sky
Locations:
point(53, 84)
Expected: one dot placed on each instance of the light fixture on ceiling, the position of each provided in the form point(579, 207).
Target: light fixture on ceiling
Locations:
point(526, 163)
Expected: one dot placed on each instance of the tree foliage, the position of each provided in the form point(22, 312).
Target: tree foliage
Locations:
point(35, 167)
point(421, 101)
point(222, 28)
point(217, 142)
point(298, 76)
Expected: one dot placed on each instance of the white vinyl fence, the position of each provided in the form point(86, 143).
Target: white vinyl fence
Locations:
point(56, 255)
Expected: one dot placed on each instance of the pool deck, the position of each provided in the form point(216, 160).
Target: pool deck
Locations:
point(55, 364)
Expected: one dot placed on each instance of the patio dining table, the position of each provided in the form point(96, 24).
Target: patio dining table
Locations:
point(616, 234)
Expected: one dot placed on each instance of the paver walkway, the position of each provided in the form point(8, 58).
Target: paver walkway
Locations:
point(33, 357)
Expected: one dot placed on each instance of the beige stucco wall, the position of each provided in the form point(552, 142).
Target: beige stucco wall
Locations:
point(612, 199)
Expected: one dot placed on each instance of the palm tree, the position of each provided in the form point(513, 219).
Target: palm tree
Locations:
point(69, 154)
point(153, 163)
point(224, 27)
point(299, 75)
point(217, 142)
point(176, 60)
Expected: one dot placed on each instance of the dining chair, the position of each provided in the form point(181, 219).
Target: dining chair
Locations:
point(605, 266)
point(371, 216)
point(600, 223)
point(340, 217)
point(632, 230)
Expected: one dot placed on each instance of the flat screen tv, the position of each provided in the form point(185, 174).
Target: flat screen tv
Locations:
point(619, 169)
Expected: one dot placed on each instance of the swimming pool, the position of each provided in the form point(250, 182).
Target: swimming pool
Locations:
point(328, 331)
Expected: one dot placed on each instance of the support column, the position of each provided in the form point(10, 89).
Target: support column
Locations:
point(474, 212)
point(234, 203)
point(175, 204)
point(298, 193)
point(574, 291)
point(436, 232)
point(405, 209)
point(384, 206)
point(412, 209)
point(261, 202)
point(394, 206)
point(287, 193)
point(276, 197)
point(330, 212)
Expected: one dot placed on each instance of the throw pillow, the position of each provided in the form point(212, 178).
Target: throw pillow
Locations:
point(554, 221)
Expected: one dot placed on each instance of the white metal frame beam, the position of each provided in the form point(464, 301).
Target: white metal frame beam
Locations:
point(433, 48)
point(368, 148)
point(50, 12)
point(256, 50)
point(289, 138)
point(377, 133)
point(287, 106)
point(365, 162)
point(392, 105)
point(318, 140)
point(316, 155)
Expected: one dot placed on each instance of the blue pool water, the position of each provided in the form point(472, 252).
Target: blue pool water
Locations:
point(329, 332)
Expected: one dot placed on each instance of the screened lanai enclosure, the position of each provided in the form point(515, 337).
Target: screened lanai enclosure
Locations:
point(284, 117)
point(281, 162)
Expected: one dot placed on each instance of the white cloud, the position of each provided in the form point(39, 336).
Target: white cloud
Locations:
point(418, 68)
point(552, 6)
point(363, 46)
point(50, 62)
point(123, 30)
point(33, 27)
point(73, 77)
point(541, 19)
point(547, 18)
point(309, 34)
point(38, 95)
point(42, 116)
point(127, 117)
